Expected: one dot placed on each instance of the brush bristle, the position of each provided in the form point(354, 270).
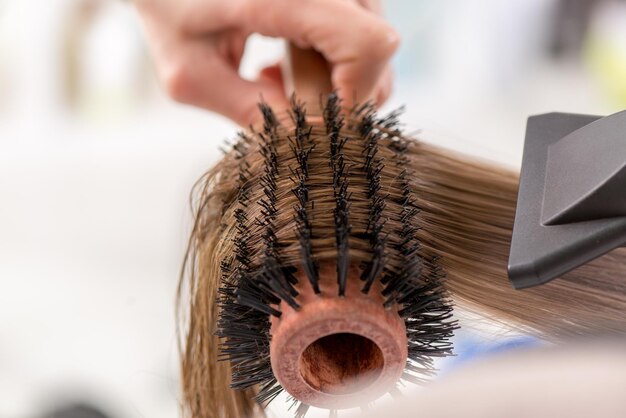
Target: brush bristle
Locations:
point(334, 123)
point(372, 167)
point(302, 146)
point(255, 279)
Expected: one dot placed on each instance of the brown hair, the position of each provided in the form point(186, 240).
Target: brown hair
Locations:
point(466, 217)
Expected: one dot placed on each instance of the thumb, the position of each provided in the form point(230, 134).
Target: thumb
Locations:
point(202, 78)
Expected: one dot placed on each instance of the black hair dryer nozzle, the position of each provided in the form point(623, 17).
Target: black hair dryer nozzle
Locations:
point(571, 205)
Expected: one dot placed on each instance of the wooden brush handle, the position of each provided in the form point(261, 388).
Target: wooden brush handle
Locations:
point(307, 74)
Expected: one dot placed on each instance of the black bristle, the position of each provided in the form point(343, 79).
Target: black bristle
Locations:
point(391, 122)
point(302, 410)
point(342, 233)
point(248, 295)
point(241, 147)
point(226, 266)
point(302, 146)
point(375, 266)
point(270, 123)
point(373, 166)
point(256, 303)
point(416, 285)
point(270, 274)
point(269, 391)
point(334, 123)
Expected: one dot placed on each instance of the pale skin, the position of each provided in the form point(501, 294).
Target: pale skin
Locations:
point(197, 46)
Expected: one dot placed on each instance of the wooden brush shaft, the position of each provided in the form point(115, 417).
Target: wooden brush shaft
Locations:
point(307, 74)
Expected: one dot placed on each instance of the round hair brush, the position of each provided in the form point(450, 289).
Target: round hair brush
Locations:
point(325, 290)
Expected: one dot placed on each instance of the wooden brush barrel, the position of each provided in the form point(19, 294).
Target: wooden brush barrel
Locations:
point(307, 74)
point(338, 352)
point(334, 352)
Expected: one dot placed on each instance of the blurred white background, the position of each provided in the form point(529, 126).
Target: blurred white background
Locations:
point(96, 165)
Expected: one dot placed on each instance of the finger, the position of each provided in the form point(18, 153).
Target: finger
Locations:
point(202, 16)
point(199, 76)
point(357, 43)
point(218, 15)
point(372, 6)
point(385, 84)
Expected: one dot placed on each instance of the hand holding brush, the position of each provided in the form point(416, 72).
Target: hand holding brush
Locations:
point(198, 46)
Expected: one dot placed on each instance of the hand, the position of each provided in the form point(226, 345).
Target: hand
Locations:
point(198, 46)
